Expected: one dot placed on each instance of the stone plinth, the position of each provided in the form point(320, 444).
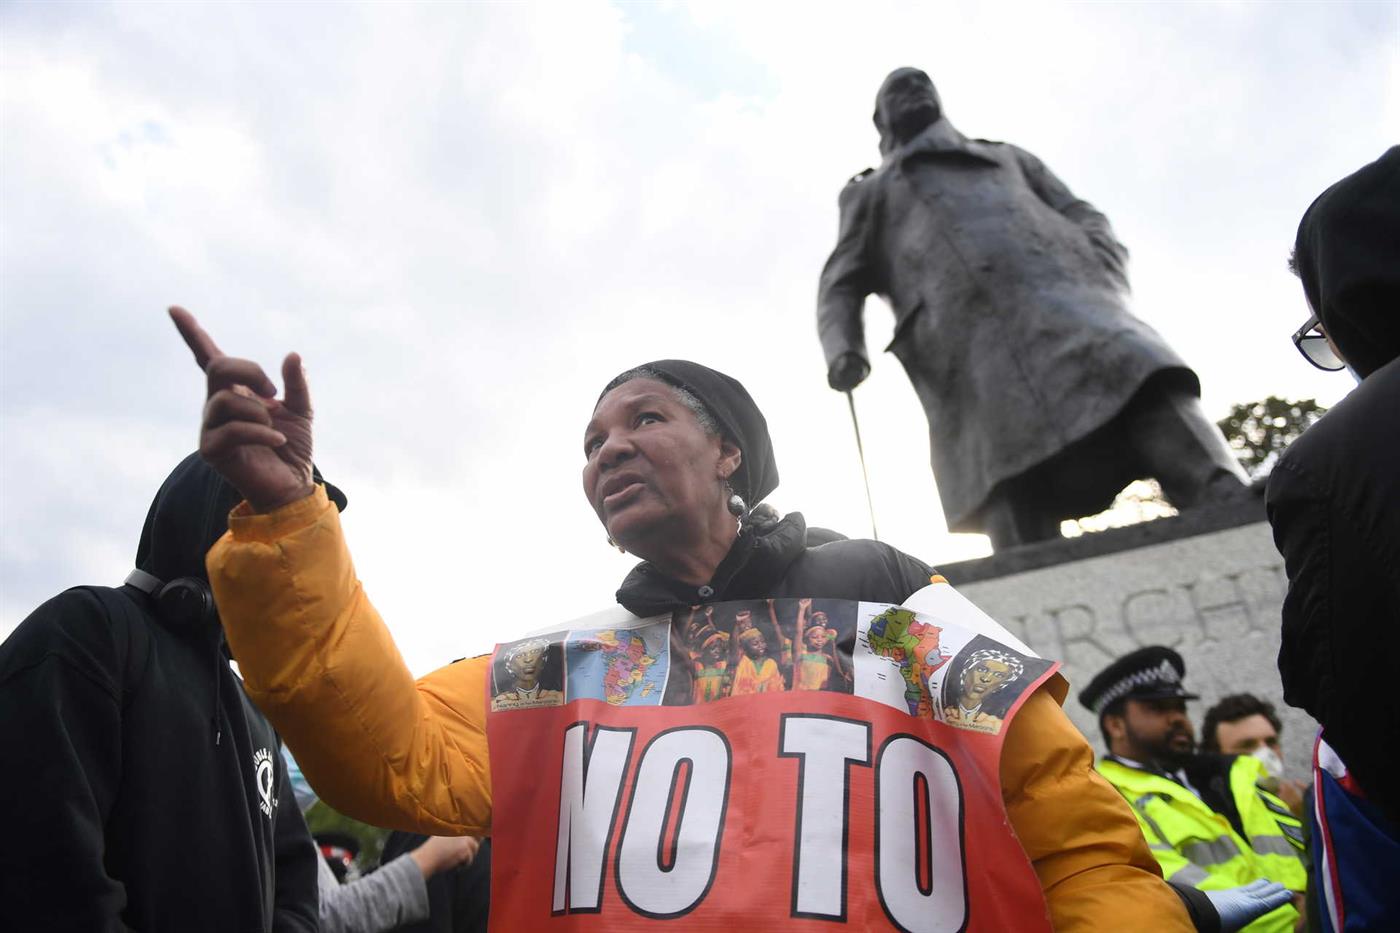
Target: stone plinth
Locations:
point(1207, 583)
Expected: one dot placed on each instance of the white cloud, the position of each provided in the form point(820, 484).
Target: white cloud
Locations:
point(468, 217)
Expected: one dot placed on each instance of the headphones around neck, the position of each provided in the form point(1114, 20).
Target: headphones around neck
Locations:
point(183, 602)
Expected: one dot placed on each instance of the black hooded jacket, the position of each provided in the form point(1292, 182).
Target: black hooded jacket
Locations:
point(1334, 497)
point(142, 790)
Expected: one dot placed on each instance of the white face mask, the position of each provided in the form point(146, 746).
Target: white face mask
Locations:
point(1272, 762)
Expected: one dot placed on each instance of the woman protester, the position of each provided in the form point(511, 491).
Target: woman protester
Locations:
point(675, 454)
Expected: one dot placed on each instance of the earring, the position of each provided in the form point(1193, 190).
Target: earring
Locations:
point(736, 504)
point(612, 543)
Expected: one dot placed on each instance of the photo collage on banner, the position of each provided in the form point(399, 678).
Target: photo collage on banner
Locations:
point(528, 673)
point(761, 646)
point(935, 670)
point(695, 656)
point(620, 666)
point(916, 663)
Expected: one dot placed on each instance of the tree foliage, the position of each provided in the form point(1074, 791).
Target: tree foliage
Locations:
point(1259, 431)
point(322, 818)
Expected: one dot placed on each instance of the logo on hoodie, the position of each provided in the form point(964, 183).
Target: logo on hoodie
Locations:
point(264, 778)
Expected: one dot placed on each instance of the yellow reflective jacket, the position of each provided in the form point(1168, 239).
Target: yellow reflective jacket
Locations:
point(1197, 846)
point(389, 750)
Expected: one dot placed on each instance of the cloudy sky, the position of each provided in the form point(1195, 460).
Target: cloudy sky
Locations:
point(468, 217)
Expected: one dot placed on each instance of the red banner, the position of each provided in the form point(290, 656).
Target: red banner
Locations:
point(791, 779)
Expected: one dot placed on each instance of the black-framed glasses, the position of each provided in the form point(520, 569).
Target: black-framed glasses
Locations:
point(1314, 346)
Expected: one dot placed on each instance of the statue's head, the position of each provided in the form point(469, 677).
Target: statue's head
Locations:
point(906, 104)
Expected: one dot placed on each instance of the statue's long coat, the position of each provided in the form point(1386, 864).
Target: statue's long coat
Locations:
point(1008, 294)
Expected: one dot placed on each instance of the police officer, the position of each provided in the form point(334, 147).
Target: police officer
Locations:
point(1206, 819)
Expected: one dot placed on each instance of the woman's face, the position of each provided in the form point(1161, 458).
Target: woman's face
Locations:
point(651, 470)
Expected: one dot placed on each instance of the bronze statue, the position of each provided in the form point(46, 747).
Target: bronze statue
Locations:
point(1045, 396)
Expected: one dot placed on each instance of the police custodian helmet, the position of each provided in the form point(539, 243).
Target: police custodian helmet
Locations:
point(1151, 673)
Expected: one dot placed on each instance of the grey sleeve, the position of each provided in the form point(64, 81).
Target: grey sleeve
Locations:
point(394, 895)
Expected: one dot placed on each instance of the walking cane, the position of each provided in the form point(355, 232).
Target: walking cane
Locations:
point(860, 449)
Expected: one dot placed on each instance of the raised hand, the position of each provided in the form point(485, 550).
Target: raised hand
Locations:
point(259, 443)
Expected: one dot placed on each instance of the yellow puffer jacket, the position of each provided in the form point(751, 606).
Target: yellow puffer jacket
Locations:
point(392, 751)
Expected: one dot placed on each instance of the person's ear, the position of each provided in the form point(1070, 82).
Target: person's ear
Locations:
point(730, 456)
point(1115, 727)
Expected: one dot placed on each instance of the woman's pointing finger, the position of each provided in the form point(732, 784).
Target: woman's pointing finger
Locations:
point(196, 338)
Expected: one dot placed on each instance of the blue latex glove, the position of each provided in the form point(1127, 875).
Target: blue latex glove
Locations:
point(1239, 906)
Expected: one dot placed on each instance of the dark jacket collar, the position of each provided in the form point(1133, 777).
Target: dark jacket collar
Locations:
point(758, 559)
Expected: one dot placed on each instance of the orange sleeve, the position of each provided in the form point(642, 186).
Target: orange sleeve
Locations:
point(1080, 835)
point(318, 660)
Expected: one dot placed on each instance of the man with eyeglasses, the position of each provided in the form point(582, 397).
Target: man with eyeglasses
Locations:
point(1334, 503)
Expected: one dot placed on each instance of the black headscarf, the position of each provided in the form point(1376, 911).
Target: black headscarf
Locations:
point(739, 420)
point(1348, 256)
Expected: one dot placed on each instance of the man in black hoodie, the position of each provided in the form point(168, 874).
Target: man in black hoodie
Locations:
point(1334, 497)
point(141, 788)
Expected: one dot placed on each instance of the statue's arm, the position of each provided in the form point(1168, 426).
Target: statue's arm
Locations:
point(845, 281)
point(1088, 218)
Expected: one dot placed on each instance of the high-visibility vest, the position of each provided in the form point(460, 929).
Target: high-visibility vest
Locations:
point(1198, 847)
